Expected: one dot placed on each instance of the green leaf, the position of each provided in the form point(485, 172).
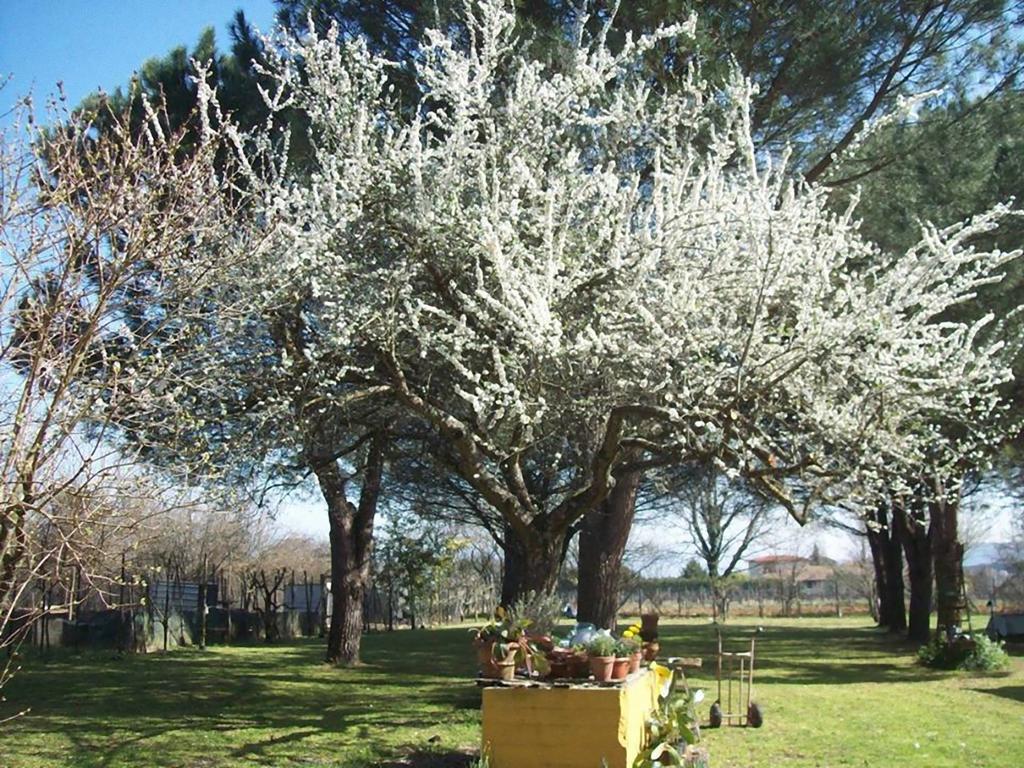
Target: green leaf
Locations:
point(686, 730)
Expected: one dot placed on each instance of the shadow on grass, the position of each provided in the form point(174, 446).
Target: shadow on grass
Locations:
point(259, 748)
point(804, 654)
point(280, 699)
point(1012, 692)
point(428, 759)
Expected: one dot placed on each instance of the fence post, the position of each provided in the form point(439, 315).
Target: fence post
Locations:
point(226, 602)
point(167, 608)
point(391, 605)
point(201, 605)
point(307, 594)
point(323, 605)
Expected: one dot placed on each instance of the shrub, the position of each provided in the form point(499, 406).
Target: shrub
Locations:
point(981, 655)
point(987, 655)
point(541, 610)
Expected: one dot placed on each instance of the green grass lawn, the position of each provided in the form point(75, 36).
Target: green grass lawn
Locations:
point(834, 693)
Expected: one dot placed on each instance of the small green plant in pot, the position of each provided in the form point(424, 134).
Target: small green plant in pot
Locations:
point(601, 651)
point(503, 640)
point(506, 657)
point(579, 664)
point(484, 639)
point(628, 648)
point(503, 644)
point(542, 612)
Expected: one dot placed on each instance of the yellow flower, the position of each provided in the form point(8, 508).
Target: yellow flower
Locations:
point(627, 633)
point(664, 677)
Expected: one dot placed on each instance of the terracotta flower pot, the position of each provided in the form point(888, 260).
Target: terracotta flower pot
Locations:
point(543, 642)
point(560, 663)
point(485, 658)
point(634, 662)
point(559, 668)
point(620, 668)
point(579, 665)
point(506, 670)
point(507, 666)
point(601, 667)
point(651, 650)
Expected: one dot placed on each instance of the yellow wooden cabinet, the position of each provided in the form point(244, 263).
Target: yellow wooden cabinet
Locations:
point(574, 727)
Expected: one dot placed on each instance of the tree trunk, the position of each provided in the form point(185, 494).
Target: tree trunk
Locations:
point(948, 554)
point(894, 581)
point(887, 557)
point(914, 534)
point(603, 537)
point(719, 599)
point(351, 534)
point(879, 610)
point(531, 564)
point(13, 539)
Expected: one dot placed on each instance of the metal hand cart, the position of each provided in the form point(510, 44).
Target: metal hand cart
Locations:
point(739, 669)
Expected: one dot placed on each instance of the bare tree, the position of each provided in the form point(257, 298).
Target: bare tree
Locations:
point(724, 519)
point(85, 218)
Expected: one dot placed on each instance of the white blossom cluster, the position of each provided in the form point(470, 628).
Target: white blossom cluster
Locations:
point(530, 255)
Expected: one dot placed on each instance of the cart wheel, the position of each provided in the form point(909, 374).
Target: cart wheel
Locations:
point(715, 718)
point(755, 718)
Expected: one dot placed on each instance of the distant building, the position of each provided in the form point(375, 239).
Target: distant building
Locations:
point(815, 577)
point(769, 566)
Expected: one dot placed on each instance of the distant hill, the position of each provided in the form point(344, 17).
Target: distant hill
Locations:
point(983, 554)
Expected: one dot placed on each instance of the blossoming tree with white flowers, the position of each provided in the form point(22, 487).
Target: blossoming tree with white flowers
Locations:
point(545, 264)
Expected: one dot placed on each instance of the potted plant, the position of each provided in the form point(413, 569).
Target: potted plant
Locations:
point(601, 651)
point(506, 656)
point(673, 731)
point(622, 657)
point(503, 643)
point(483, 640)
point(629, 647)
point(579, 663)
point(541, 613)
point(560, 662)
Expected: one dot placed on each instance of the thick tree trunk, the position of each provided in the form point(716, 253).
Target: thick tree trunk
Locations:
point(531, 565)
point(914, 533)
point(513, 566)
point(887, 556)
point(948, 555)
point(603, 537)
point(880, 610)
point(351, 535)
point(894, 581)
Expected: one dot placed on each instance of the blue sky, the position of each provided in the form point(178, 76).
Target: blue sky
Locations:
point(99, 43)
